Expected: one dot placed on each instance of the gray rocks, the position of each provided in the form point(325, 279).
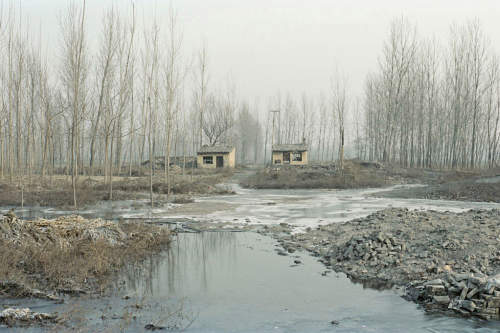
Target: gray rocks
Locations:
point(441, 300)
point(471, 296)
point(153, 327)
point(281, 253)
point(435, 290)
point(372, 247)
point(436, 282)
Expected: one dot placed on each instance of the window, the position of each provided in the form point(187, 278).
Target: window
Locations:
point(297, 157)
point(208, 160)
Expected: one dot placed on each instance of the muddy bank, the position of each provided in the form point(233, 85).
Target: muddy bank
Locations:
point(458, 251)
point(463, 185)
point(477, 190)
point(70, 255)
point(321, 176)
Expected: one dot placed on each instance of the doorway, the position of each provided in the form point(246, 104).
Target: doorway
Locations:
point(220, 162)
point(286, 157)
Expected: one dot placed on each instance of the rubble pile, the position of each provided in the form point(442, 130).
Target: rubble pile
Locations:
point(469, 294)
point(375, 248)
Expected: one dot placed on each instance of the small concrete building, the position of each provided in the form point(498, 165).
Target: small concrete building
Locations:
point(295, 154)
point(220, 156)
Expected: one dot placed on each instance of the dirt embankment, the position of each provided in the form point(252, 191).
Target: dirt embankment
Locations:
point(70, 255)
point(479, 185)
point(463, 185)
point(447, 261)
point(356, 174)
point(466, 190)
point(56, 191)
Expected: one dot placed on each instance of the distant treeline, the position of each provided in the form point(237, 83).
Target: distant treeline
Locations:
point(434, 105)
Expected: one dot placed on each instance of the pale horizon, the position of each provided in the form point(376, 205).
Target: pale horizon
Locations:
point(287, 47)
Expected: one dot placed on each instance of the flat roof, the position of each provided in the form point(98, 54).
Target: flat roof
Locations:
point(290, 147)
point(217, 149)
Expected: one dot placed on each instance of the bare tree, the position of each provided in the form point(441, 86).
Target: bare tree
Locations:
point(200, 91)
point(73, 76)
point(339, 100)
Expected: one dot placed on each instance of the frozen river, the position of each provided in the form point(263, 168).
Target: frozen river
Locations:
point(235, 282)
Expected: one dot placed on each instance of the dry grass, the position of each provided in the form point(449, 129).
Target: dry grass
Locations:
point(462, 191)
point(73, 253)
point(360, 174)
point(56, 191)
point(317, 176)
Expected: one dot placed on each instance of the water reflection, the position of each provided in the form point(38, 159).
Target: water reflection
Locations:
point(236, 283)
point(190, 257)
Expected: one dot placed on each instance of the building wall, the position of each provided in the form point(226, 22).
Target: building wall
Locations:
point(229, 160)
point(278, 155)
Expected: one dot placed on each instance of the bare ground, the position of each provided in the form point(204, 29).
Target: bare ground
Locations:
point(56, 191)
point(466, 190)
point(324, 176)
point(464, 185)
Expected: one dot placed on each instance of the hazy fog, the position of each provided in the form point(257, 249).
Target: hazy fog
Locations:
point(294, 46)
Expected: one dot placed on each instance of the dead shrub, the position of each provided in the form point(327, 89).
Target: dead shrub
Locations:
point(315, 178)
point(70, 256)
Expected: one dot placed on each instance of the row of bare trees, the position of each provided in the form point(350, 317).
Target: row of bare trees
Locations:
point(320, 121)
point(104, 111)
point(137, 95)
point(105, 107)
point(430, 105)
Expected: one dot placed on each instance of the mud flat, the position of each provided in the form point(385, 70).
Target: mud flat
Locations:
point(471, 190)
point(448, 262)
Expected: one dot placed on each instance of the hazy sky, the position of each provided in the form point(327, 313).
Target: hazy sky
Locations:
point(292, 46)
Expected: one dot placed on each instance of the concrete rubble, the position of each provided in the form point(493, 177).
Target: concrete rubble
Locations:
point(469, 294)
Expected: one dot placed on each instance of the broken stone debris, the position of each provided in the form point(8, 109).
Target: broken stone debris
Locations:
point(476, 295)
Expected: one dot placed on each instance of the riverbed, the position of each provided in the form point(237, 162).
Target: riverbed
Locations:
point(299, 208)
point(235, 281)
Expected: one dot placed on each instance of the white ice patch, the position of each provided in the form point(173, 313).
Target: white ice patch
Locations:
point(311, 208)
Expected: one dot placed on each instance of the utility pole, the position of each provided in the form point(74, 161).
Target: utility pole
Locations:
point(272, 137)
